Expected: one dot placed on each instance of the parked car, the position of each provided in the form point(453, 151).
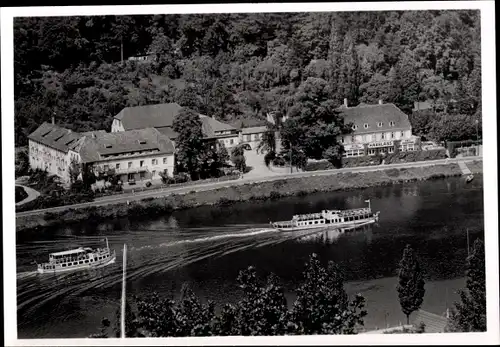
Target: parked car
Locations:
point(247, 147)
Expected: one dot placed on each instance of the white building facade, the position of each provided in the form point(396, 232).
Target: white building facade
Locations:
point(377, 129)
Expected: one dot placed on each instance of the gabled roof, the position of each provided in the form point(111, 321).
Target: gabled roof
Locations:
point(168, 131)
point(94, 148)
point(373, 115)
point(210, 125)
point(433, 322)
point(55, 136)
point(148, 116)
point(254, 130)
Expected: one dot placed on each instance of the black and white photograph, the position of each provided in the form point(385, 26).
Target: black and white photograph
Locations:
point(303, 173)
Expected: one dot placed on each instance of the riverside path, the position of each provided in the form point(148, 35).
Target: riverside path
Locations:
point(123, 198)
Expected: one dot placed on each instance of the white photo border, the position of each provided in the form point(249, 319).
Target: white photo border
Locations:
point(487, 9)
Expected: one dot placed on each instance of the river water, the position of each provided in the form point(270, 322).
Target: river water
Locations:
point(207, 246)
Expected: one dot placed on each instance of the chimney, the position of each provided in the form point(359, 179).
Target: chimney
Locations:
point(53, 120)
point(345, 103)
point(380, 102)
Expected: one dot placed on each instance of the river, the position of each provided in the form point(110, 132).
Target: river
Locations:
point(207, 246)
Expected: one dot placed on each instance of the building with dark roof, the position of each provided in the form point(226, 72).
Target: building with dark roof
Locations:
point(137, 154)
point(162, 116)
point(379, 128)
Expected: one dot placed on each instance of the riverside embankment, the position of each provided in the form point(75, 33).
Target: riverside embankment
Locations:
point(148, 207)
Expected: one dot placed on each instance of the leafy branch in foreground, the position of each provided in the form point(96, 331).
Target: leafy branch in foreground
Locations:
point(322, 307)
point(470, 314)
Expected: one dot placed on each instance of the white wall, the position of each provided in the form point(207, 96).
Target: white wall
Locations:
point(117, 126)
point(43, 157)
point(123, 162)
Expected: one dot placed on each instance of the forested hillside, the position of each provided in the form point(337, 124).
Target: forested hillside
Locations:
point(240, 66)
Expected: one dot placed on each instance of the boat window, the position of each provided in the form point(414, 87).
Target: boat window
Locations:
point(63, 265)
point(80, 262)
point(86, 261)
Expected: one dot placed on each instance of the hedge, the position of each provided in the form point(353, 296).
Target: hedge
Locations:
point(401, 157)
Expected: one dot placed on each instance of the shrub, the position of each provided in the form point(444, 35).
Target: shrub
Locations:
point(279, 161)
point(269, 157)
point(392, 172)
point(275, 195)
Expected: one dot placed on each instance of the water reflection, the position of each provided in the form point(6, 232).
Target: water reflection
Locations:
point(208, 246)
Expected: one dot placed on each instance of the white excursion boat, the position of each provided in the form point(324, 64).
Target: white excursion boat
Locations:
point(78, 259)
point(342, 219)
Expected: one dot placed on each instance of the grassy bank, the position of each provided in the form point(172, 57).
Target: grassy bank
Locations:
point(150, 207)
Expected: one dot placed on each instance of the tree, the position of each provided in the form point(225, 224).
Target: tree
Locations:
point(322, 305)
point(238, 158)
point(470, 314)
point(314, 122)
point(411, 283)
point(74, 170)
point(189, 143)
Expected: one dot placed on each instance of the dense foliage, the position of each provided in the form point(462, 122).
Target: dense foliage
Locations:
point(411, 283)
point(242, 66)
point(470, 314)
point(321, 307)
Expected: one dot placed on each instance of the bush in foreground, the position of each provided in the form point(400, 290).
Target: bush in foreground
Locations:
point(321, 307)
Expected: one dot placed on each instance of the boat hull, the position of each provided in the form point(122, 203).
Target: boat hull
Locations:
point(79, 267)
point(344, 225)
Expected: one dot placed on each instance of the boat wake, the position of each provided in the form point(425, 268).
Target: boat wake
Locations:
point(37, 293)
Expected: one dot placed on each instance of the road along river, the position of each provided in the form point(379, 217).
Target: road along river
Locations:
point(207, 246)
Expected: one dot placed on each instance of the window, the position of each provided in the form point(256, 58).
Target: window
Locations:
point(129, 164)
point(354, 127)
point(164, 160)
point(391, 149)
point(154, 173)
point(402, 134)
point(342, 139)
point(154, 161)
point(382, 136)
point(142, 175)
point(391, 123)
point(106, 167)
point(118, 166)
point(231, 141)
point(353, 139)
point(366, 125)
point(380, 124)
point(371, 151)
point(393, 135)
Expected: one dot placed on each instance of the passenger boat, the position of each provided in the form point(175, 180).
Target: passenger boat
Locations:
point(78, 259)
point(341, 219)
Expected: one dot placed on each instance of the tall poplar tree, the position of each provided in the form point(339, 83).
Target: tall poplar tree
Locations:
point(470, 312)
point(411, 283)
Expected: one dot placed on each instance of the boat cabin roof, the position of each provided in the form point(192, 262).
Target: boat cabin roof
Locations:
point(69, 252)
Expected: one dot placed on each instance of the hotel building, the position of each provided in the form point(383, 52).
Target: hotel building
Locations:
point(379, 128)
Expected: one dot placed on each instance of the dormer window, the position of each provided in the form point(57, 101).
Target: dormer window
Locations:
point(380, 124)
point(46, 133)
point(391, 123)
point(366, 125)
point(354, 127)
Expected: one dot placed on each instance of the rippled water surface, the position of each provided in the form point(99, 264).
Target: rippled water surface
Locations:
point(207, 246)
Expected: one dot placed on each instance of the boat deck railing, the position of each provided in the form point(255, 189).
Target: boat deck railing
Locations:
point(354, 212)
